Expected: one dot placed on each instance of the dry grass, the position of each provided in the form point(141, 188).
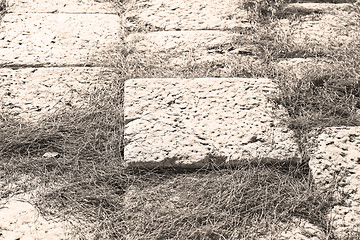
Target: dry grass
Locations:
point(88, 180)
point(326, 92)
point(243, 203)
point(2, 8)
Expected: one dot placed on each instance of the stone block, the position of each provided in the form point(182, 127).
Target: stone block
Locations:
point(59, 6)
point(19, 219)
point(337, 153)
point(181, 122)
point(337, 25)
point(186, 15)
point(57, 39)
point(30, 93)
point(335, 165)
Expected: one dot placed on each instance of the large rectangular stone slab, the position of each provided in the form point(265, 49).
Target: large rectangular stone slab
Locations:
point(180, 122)
point(30, 93)
point(57, 39)
point(59, 6)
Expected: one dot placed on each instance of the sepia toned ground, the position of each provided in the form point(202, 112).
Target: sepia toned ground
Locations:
point(224, 88)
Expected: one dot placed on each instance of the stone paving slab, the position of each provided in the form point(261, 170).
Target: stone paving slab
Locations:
point(185, 15)
point(336, 162)
point(32, 92)
point(178, 46)
point(20, 220)
point(179, 122)
point(59, 6)
point(317, 7)
point(336, 24)
point(57, 39)
point(298, 229)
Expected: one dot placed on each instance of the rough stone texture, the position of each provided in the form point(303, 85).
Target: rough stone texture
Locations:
point(178, 122)
point(20, 220)
point(30, 93)
point(334, 25)
point(297, 229)
point(185, 15)
point(317, 7)
point(57, 39)
point(179, 46)
point(51, 6)
point(302, 230)
point(336, 162)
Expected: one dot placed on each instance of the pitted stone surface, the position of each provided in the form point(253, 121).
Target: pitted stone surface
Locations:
point(177, 45)
point(33, 92)
point(337, 24)
point(179, 122)
point(20, 220)
point(336, 161)
point(185, 15)
point(59, 6)
point(302, 230)
point(57, 39)
point(318, 7)
point(297, 229)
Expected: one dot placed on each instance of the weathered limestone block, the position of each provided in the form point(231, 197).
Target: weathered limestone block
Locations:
point(336, 25)
point(310, 7)
point(57, 39)
point(185, 15)
point(336, 162)
point(32, 92)
point(180, 46)
point(50, 6)
point(20, 220)
point(179, 122)
point(346, 220)
point(297, 229)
